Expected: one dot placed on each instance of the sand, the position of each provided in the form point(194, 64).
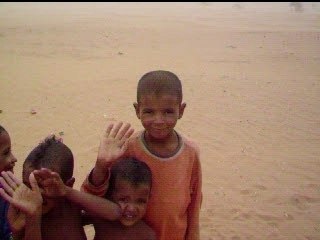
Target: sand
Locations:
point(250, 74)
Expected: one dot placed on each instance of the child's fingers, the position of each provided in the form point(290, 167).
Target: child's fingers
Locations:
point(33, 183)
point(124, 144)
point(123, 131)
point(108, 130)
point(6, 187)
point(14, 178)
point(116, 129)
point(129, 133)
point(5, 195)
point(54, 179)
point(50, 180)
point(42, 173)
point(8, 184)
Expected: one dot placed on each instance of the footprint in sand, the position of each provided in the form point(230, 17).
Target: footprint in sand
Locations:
point(256, 187)
point(302, 201)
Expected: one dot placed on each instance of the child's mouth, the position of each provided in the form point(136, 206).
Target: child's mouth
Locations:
point(128, 215)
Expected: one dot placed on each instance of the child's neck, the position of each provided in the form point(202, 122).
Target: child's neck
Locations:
point(163, 148)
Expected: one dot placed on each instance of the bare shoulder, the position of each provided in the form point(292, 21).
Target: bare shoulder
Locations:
point(149, 233)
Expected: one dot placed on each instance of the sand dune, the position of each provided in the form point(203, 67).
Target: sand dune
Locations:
point(250, 76)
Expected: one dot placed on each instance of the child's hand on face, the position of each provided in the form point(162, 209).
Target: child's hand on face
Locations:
point(28, 201)
point(51, 182)
point(113, 143)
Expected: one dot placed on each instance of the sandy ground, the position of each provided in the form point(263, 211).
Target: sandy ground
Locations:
point(250, 76)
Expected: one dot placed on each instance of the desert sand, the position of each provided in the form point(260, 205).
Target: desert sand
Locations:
point(250, 74)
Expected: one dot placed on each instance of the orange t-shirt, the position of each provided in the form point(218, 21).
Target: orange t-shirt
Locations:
point(176, 195)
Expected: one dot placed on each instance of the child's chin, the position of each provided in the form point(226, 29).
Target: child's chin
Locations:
point(127, 222)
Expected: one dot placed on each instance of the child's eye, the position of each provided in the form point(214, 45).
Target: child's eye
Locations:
point(169, 111)
point(142, 201)
point(148, 111)
point(124, 200)
point(6, 152)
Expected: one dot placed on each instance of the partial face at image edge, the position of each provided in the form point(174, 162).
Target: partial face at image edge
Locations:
point(7, 159)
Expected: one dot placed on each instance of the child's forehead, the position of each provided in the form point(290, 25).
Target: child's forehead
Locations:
point(155, 98)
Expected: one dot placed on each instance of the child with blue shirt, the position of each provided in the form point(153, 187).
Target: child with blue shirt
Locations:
point(7, 162)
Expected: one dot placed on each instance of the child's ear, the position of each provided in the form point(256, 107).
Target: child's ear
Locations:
point(70, 182)
point(181, 111)
point(136, 108)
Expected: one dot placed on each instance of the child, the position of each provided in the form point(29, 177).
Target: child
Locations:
point(7, 162)
point(130, 186)
point(50, 218)
point(176, 196)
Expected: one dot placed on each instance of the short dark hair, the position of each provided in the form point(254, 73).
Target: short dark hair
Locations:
point(132, 170)
point(159, 82)
point(51, 154)
point(2, 129)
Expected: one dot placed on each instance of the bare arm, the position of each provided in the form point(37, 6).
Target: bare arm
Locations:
point(94, 205)
point(54, 187)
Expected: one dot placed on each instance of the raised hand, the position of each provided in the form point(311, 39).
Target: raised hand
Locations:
point(29, 201)
point(50, 182)
point(16, 218)
point(113, 143)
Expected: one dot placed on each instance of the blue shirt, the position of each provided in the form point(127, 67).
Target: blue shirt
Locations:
point(5, 232)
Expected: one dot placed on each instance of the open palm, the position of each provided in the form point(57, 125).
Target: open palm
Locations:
point(113, 142)
point(21, 197)
point(27, 200)
point(51, 182)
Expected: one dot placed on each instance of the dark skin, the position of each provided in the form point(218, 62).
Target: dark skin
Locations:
point(105, 229)
point(45, 218)
point(64, 220)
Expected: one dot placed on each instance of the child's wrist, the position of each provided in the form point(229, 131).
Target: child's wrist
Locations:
point(101, 170)
point(36, 214)
point(98, 176)
point(102, 165)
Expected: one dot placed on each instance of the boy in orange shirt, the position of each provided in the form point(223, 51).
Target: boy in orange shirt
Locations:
point(176, 195)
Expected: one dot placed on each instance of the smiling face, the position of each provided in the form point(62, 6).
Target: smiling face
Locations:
point(159, 114)
point(7, 160)
point(132, 199)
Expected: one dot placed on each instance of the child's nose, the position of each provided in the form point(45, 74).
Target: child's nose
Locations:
point(130, 207)
point(159, 118)
point(13, 158)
